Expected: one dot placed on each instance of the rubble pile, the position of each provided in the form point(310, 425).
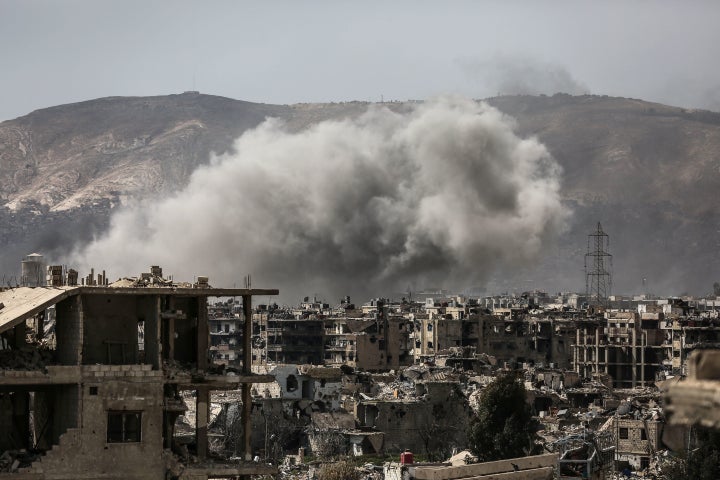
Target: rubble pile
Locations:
point(12, 460)
point(26, 359)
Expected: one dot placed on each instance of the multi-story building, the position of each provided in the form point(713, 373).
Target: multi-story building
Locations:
point(293, 340)
point(102, 403)
point(226, 322)
point(637, 438)
point(629, 346)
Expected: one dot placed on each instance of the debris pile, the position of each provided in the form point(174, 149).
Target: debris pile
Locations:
point(12, 460)
point(35, 359)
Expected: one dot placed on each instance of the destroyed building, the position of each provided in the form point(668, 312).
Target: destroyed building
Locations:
point(644, 341)
point(104, 398)
point(432, 419)
point(226, 321)
point(290, 340)
point(376, 341)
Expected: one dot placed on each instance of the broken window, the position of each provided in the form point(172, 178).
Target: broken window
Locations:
point(429, 344)
point(643, 434)
point(429, 327)
point(141, 334)
point(124, 427)
point(291, 383)
point(623, 433)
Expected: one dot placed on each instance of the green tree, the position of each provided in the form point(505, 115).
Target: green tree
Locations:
point(503, 426)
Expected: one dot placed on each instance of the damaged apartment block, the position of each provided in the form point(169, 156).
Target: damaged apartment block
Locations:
point(91, 380)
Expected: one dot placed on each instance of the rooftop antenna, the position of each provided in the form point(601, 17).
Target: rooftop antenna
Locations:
point(598, 262)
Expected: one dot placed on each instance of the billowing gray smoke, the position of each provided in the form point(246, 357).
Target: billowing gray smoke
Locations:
point(442, 195)
point(520, 75)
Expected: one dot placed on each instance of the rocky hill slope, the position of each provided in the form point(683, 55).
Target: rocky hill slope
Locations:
point(650, 173)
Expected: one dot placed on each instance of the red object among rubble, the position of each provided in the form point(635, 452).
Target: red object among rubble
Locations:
point(406, 457)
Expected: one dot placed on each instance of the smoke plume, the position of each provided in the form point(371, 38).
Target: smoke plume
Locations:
point(521, 75)
point(443, 194)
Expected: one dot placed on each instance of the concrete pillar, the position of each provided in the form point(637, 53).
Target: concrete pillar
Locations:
point(481, 334)
point(247, 370)
point(167, 332)
point(643, 345)
point(202, 418)
point(40, 318)
point(597, 349)
point(607, 360)
point(634, 359)
point(247, 335)
point(153, 338)
point(69, 328)
point(576, 353)
point(171, 338)
point(21, 416)
point(19, 334)
point(203, 334)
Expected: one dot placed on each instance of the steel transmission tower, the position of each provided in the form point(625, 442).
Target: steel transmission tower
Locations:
point(598, 263)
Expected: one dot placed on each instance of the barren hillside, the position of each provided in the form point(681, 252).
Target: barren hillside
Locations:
point(648, 172)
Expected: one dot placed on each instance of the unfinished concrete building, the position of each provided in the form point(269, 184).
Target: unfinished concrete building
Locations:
point(291, 340)
point(103, 402)
point(625, 345)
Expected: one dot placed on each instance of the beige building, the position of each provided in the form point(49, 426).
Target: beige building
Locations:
point(636, 439)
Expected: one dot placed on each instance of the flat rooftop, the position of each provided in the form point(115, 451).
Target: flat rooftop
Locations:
point(19, 304)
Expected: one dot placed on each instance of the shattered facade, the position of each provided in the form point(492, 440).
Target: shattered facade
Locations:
point(106, 398)
point(98, 375)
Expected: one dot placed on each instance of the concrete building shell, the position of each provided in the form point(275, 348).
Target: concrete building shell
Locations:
point(106, 406)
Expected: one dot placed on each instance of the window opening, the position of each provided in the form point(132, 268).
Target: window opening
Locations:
point(123, 427)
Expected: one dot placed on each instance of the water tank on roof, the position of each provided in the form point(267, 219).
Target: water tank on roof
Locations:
point(33, 271)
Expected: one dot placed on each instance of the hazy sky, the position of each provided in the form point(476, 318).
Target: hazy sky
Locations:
point(56, 52)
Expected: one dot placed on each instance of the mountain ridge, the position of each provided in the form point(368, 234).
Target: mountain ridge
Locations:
point(648, 171)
